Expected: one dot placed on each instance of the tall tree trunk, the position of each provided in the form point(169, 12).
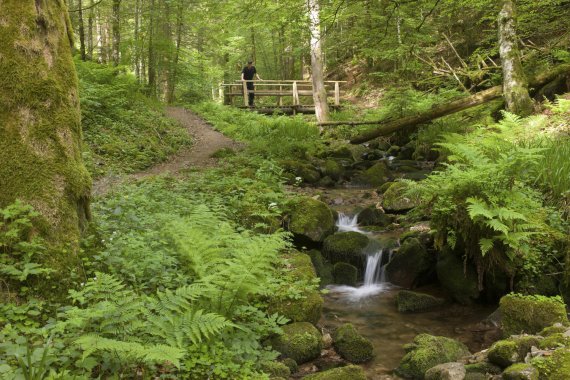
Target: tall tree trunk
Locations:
point(81, 31)
point(319, 90)
point(116, 55)
point(151, 51)
point(136, 43)
point(174, 69)
point(40, 125)
point(515, 87)
point(90, 32)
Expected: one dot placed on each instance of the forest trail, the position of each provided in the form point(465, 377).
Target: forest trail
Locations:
point(206, 141)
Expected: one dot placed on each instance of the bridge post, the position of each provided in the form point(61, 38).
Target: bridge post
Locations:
point(336, 93)
point(280, 98)
point(245, 94)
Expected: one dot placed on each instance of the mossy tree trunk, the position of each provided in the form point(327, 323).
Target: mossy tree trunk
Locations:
point(116, 32)
point(515, 87)
point(40, 126)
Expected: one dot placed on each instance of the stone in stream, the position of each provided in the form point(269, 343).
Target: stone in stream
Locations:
point(458, 279)
point(276, 369)
point(446, 371)
point(556, 366)
point(373, 216)
point(376, 175)
point(332, 169)
point(311, 219)
point(521, 371)
point(346, 247)
point(307, 172)
point(410, 264)
point(300, 341)
point(531, 314)
point(395, 200)
point(351, 372)
point(323, 269)
point(427, 351)
point(510, 351)
point(345, 274)
point(351, 345)
point(409, 301)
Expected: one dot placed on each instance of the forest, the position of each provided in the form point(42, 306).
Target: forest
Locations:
point(287, 189)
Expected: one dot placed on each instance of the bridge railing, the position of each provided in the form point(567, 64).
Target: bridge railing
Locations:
point(294, 89)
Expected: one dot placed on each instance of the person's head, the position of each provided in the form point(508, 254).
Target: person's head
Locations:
point(249, 63)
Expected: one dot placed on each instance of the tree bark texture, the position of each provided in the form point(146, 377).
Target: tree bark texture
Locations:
point(319, 90)
point(81, 31)
point(116, 54)
point(515, 87)
point(40, 122)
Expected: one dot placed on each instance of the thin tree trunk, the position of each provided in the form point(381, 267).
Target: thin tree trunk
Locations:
point(81, 31)
point(151, 51)
point(515, 87)
point(319, 90)
point(116, 55)
point(40, 123)
point(174, 70)
point(136, 42)
point(90, 32)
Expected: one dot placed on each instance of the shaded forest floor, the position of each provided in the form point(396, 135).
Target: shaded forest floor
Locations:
point(206, 142)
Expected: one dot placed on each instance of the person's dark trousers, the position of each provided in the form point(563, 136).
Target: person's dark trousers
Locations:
point(250, 88)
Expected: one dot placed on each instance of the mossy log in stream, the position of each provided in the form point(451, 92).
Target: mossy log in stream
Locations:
point(40, 126)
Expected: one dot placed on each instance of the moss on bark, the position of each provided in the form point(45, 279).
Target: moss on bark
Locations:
point(40, 126)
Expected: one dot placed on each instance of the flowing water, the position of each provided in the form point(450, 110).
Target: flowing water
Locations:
point(371, 307)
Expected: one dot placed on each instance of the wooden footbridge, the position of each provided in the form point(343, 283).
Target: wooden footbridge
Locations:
point(286, 95)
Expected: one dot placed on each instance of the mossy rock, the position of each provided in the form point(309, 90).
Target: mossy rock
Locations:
point(301, 266)
point(395, 200)
point(409, 264)
point(426, 352)
point(531, 314)
point(484, 368)
point(372, 216)
point(345, 274)
point(300, 341)
point(446, 371)
point(409, 301)
point(556, 328)
point(333, 169)
point(311, 219)
point(555, 366)
point(352, 346)
point(554, 341)
point(291, 364)
point(520, 371)
point(544, 284)
point(475, 376)
point(376, 175)
point(275, 369)
point(323, 269)
point(345, 247)
point(306, 171)
point(326, 181)
point(510, 351)
point(306, 309)
point(457, 279)
point(351, 372)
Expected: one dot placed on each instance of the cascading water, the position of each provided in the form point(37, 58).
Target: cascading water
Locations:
point(347, 223)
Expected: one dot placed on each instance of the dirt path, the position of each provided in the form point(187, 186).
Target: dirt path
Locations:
point(206, 141)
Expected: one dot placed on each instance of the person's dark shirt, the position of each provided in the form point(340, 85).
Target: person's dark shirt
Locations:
point(249, 72)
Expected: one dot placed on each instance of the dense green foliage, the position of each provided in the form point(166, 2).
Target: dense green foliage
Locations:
point(124, 130)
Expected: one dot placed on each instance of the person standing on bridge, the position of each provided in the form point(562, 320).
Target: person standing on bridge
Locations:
point(248, 73)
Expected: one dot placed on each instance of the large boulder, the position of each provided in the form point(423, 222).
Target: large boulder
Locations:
point(351, 345)
point(309, 305)
point(409, 301)
point(276, 369)
point(373, 216)
point(346, 247)
point(323, 268)
point(307, 172)
point(332, 169)
point(510, 351)
point(447, 371)
point(410, 264)
point(531, 314)
point(376, 175)
point(300, 341)
point(426, 352)
point(351, 372)
point(345, 274)
point(459, 280)
point(311, 220)
point(395, 199)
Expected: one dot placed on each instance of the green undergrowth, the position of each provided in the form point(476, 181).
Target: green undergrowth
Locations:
point(124, 131)
point(175, 281)
point(267, 136)
point(500, 199)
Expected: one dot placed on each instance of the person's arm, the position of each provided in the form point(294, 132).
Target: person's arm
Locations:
point(257, 75)
point(242, 75)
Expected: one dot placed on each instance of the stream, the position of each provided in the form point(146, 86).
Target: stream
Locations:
point(371, 307)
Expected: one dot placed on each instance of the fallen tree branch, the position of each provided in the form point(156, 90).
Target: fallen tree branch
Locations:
point(390, 126)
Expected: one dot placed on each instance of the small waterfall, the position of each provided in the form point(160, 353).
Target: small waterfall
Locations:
point(347, 223)
point(373, 272)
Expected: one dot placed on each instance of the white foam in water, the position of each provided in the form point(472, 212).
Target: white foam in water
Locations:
point(348, 223)
point(374, 282)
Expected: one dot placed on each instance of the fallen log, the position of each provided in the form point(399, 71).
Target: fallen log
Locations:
point(390, 126)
